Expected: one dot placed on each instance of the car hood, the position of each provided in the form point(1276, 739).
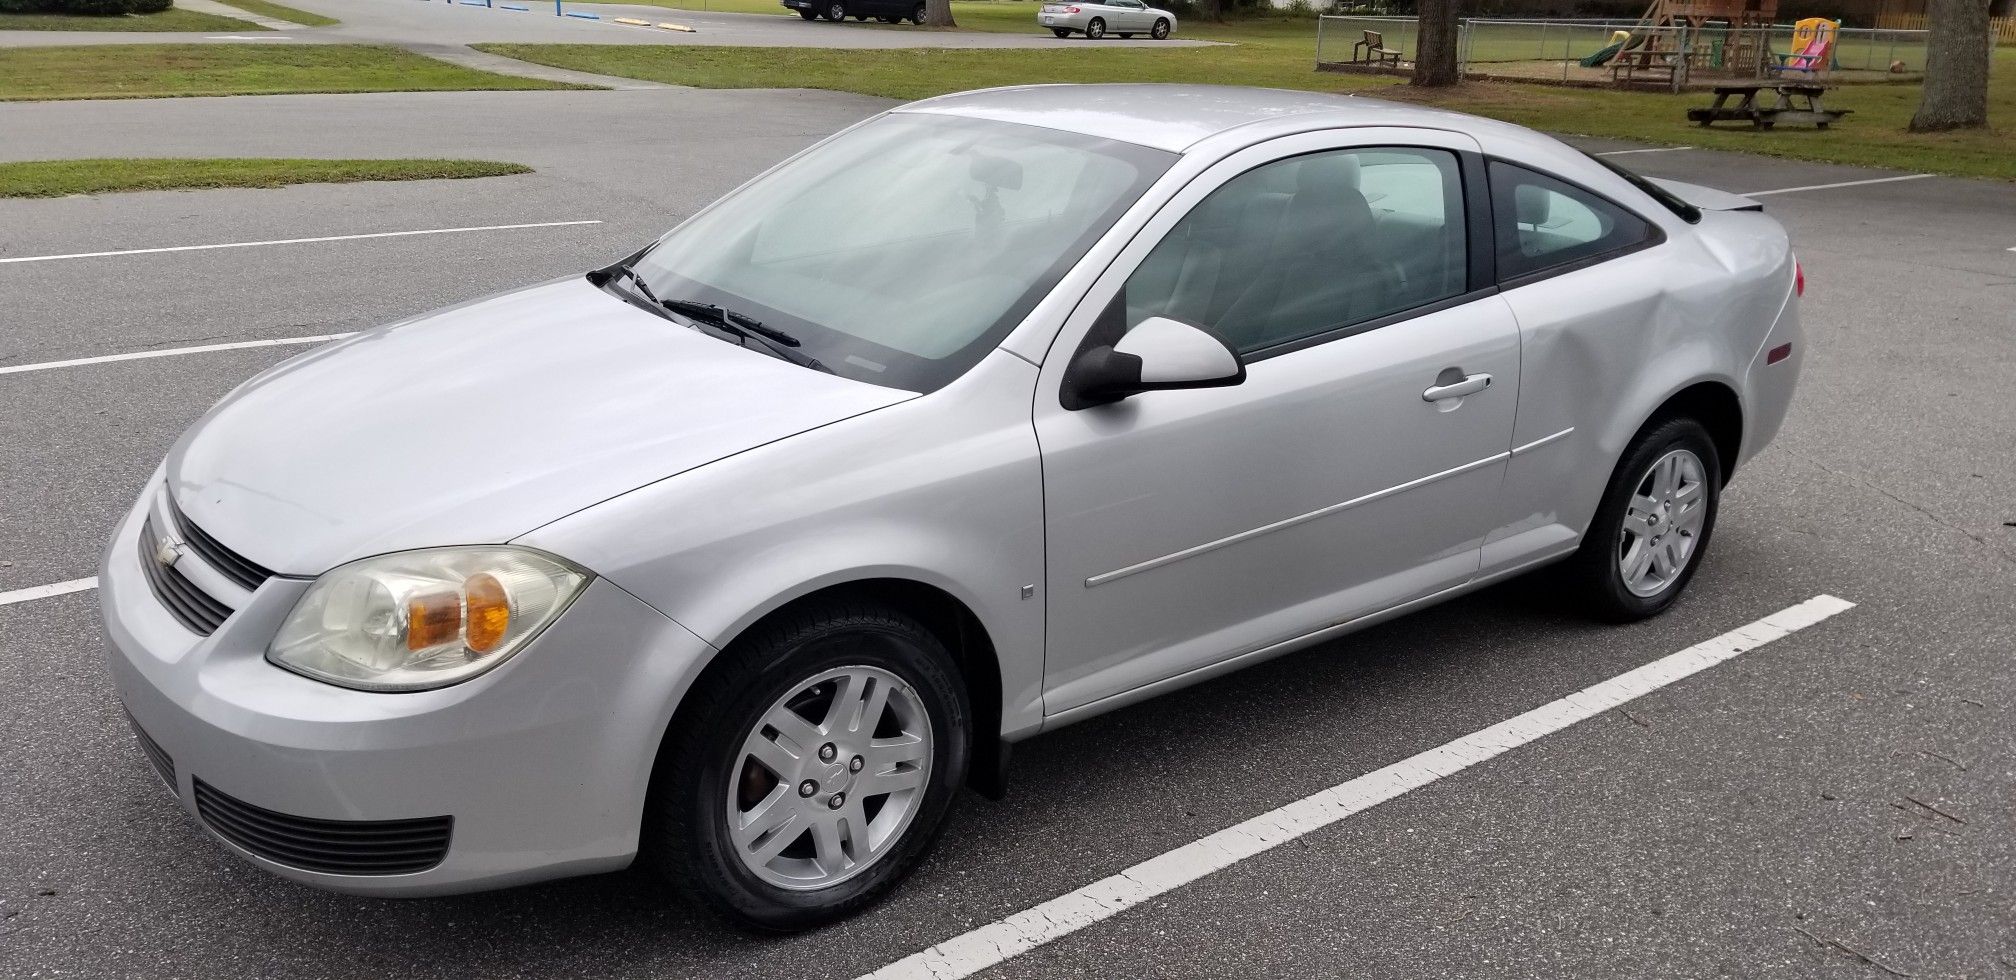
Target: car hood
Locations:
point(478, 423)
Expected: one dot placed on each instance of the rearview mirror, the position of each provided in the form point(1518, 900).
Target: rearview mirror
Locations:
point(1158, 354)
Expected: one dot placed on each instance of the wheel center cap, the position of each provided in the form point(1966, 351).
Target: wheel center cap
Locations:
point(833, 778)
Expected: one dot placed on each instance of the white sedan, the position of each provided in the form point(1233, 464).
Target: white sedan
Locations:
point(1095, 20)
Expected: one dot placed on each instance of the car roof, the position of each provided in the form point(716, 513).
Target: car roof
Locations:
point(1177, 117)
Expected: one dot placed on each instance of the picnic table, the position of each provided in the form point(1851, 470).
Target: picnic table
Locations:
point(1764, 117)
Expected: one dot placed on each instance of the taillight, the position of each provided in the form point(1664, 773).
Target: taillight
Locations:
point(1070, 10)
point(1798, 278)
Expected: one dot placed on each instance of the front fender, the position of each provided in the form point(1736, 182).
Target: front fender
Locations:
point(943, 490)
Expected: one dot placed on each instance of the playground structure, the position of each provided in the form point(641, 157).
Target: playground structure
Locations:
point(1720, 36)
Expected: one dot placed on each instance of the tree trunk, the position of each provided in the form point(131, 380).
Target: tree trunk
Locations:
point(938, 13)
point(1435, 48)
point(1956, 68)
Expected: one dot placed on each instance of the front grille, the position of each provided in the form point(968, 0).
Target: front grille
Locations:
point(228, 563)
point(189, 604)
point(155, 754)
point(338, 847)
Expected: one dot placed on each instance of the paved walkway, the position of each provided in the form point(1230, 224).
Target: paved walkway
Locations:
point(226, 10)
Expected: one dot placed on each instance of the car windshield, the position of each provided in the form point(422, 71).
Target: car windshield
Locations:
point(901, 252)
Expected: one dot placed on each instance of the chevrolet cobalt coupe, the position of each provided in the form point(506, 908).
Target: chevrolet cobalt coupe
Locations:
point(741, 555)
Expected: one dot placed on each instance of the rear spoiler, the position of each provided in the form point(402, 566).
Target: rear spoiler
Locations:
point(1707, 198)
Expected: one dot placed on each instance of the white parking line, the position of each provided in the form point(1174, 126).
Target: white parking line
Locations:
point(45, 591)
point(1845, 183)
point(1654, 149)
point(294, 241)
point(172, 352)
point(1000, 941)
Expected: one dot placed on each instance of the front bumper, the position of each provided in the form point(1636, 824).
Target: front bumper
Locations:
point(542, 763)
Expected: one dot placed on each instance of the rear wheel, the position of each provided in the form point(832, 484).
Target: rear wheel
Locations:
point(1653, 524)
point(1095, 30)
point(1160, 31)
point(809, 773)
point(836, 12)
point(917, 15)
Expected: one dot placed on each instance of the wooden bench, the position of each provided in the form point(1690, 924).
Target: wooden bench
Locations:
point(1764, 117)
point(1373, 51)
point(1646, 64)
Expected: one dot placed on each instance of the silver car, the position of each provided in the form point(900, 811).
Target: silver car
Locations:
point(742, 555)
point(1099, 18)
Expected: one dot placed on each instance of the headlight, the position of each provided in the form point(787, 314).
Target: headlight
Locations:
point(423, 619)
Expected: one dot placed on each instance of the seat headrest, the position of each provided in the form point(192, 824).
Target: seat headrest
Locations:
point(1327, 171)
point(1532, 204)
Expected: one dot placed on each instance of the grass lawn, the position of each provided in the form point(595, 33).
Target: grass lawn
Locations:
point(55, 178)
point(172, 19)
point(265, 8)
point(1280, 53)
point(140, 71)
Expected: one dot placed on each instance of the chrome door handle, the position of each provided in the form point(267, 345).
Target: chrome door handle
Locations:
point(1470, 385)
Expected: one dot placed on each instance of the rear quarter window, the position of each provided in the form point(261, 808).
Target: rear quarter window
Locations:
point(1542, 223)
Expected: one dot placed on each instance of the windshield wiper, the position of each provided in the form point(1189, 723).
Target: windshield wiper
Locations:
point(776, 342)
point(747, 327)
point(721, 314)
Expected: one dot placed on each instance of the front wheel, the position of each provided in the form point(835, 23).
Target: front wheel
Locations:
point(917, 15)
point(836, 12)
point(1653, 524)
point(1095, 30)
point(1160, 31)
point(809, 772)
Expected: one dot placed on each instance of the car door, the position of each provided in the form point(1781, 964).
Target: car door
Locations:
point(1129, 15)
point(1353, 469)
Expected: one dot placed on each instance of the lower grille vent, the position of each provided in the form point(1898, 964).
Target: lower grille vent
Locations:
point(338, 847)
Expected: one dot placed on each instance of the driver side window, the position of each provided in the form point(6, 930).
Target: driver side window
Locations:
point(1303, 246)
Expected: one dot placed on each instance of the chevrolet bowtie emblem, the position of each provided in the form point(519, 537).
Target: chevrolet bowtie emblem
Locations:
point(167, 552)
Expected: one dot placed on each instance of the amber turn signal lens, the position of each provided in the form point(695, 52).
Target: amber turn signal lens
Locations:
point(433, 619)
point(489, 612)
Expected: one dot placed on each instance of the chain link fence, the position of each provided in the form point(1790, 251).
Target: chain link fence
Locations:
point(1569, 51)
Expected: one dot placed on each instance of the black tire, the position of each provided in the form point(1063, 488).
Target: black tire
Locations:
point(1095, 29)
point(1060, 32)
point(809, 14)
point(1160, 31)
point(1594, 573)
point(686, 835)
point(835, 11)
point(917, 15)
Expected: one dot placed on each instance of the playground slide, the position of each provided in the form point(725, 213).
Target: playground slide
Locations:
point(1618, 42)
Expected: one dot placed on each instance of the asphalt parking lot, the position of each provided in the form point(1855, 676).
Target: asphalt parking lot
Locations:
point(1840, 801)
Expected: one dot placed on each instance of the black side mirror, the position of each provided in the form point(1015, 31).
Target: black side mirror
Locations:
point(1159, 354)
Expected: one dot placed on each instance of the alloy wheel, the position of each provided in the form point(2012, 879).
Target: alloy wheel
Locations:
point(1663, 523)
point(830, 777)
